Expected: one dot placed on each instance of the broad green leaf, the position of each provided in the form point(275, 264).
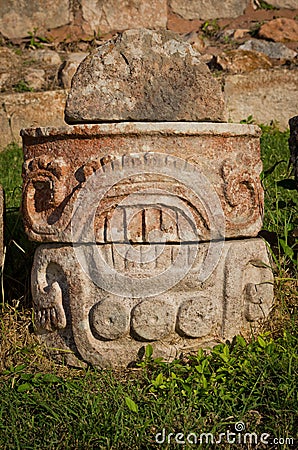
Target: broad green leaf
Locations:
point(131, 404)
point(226, 350)
point(25, 387)
point(204, 382)
point(159, 379)
point(26, 376)
point(50, 378)
point(241, 341)
point(148, 351)
point(261, 342)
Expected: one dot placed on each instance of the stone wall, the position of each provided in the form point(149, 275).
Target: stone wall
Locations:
point(29, 109)
point(258, 73)
point(95, 17)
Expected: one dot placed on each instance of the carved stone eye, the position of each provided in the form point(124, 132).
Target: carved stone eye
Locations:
point(109, 319)
point(196, 316)
point(153, 319)
point(43, 196)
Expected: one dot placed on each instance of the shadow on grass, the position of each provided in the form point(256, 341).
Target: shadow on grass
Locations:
point(19, 252)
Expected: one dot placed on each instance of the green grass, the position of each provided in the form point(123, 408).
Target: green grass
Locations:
point(48, 406)
point(11, 175)
point(22, 86)
point(252, 383)
point(281, 197)
point(266, 6)
point(19, 251)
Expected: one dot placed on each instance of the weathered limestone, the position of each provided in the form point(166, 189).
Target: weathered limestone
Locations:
point(59, 162)
point(137, 214)
point(144, 75)
point(18, 18)
point(29, 109)
point(1, 226)
point(211, 9)
point(280, 30)
point(69, 68)
point(46, 56)
point(88, 18)
point(263, 94)
point(291, 4)
point(83, 186)
point(238, 61)
point(274, 50)
point(120, 15)
point(107, 328)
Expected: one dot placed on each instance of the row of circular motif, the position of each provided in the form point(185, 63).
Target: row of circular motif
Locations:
point(152, 318)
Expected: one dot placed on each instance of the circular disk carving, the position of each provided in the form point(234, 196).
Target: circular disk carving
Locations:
point(110, 318)
point(195, 317)
point(153, 319)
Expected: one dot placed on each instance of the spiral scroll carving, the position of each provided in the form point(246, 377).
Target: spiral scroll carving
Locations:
point(242, 190)
point(44, 192)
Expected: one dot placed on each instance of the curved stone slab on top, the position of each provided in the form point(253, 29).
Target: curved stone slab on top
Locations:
point(142, 182)
point(144, 75)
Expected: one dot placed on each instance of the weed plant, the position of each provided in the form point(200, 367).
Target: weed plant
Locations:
point(244, 386)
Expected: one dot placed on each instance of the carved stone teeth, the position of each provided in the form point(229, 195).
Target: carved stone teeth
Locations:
point(54, 319)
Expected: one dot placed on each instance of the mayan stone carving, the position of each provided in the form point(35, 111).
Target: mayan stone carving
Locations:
point(148, 229)
point(108, 329)
point(59, 162)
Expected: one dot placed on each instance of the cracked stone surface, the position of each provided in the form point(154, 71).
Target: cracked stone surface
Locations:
point(262, 93)
point(154, 182)
point(210, 9)
point(144, 75)
point(108, 328)
point(121, 15)
point(17, 18)
point(274, 50)
point(17, 111)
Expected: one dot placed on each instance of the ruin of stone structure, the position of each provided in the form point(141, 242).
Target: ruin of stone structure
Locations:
point(148, 218)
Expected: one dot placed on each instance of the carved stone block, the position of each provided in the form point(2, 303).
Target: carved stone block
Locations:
point(142, 182)
point(101, 304)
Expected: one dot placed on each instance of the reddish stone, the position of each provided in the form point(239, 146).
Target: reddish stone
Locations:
point(59, 163)
point(239, 61)
point(180, 25)
point(280, 30)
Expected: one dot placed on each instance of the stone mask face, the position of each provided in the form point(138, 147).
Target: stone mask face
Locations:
point(148, 227)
